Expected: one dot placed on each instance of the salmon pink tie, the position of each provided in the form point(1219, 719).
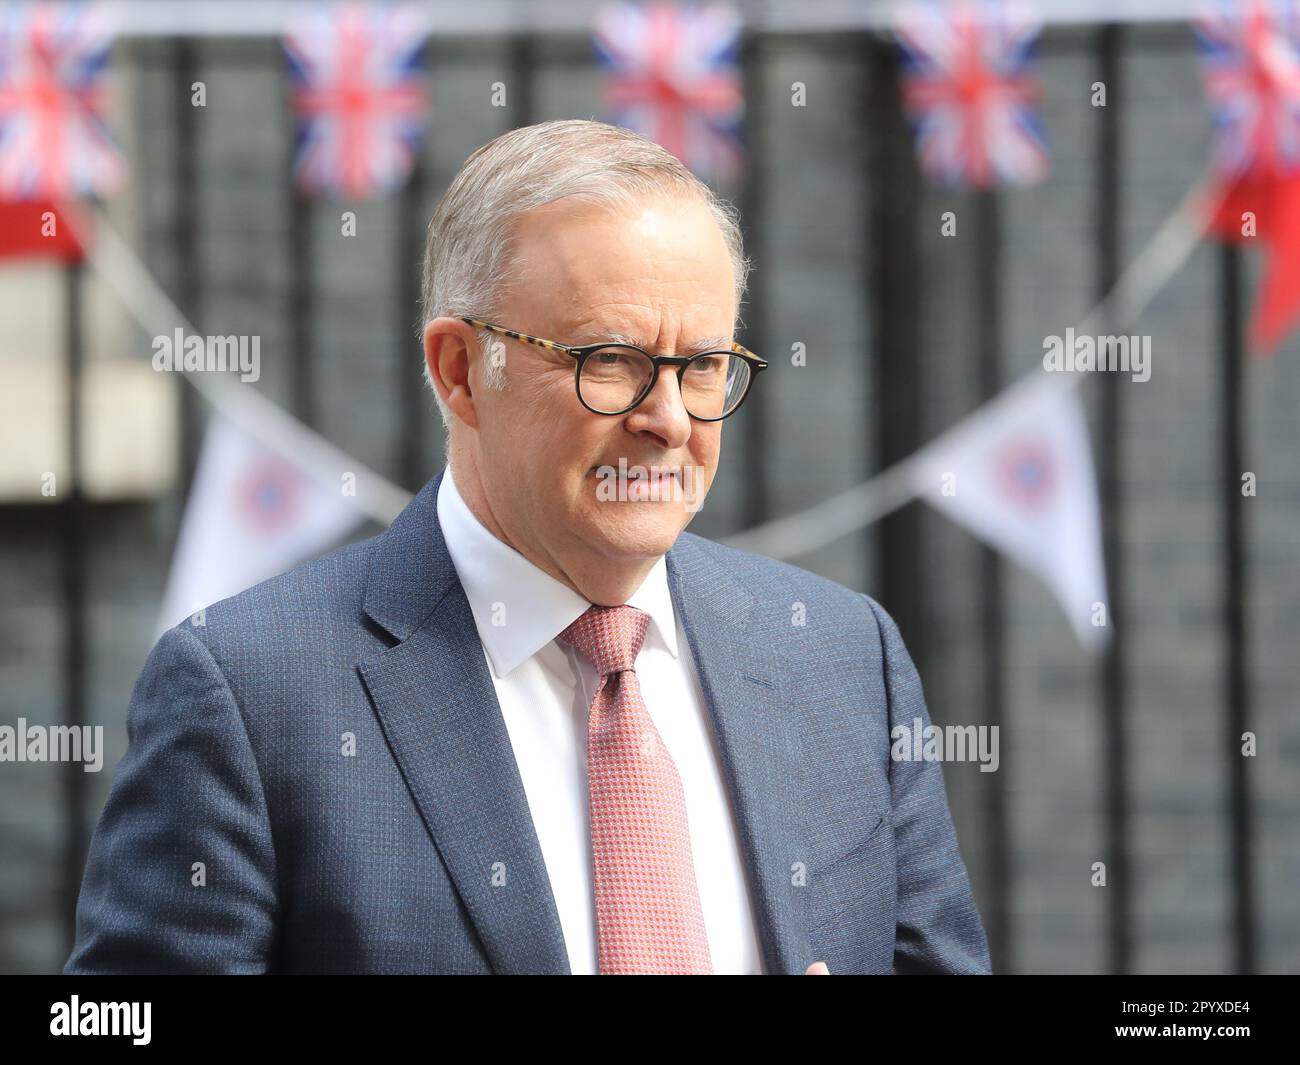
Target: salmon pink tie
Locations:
point(648, 915)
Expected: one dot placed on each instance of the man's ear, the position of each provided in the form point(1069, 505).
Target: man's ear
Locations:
point(446, 353)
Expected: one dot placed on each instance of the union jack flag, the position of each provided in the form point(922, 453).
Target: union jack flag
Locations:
point(53, 141)
point(673, 76)
point(359, 97)
point(970, 92)
point(1251, 53)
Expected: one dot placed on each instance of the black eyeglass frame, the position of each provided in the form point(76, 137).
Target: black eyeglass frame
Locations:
point(583, 351)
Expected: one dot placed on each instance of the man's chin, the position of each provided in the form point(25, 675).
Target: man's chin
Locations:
point(635, 536)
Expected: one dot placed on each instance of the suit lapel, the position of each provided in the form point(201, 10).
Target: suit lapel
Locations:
point(741, 679)
point(439, 712)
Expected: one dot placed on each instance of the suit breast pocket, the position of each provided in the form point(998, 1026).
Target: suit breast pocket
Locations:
point(853, 901)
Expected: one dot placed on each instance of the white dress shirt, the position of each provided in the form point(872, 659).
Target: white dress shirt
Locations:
point(545, 689)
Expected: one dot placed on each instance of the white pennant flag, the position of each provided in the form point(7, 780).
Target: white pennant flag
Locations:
point(252, 514)
point(1020, 476)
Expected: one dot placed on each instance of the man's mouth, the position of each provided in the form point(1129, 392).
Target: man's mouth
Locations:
point(637, 483)
point(649, 474)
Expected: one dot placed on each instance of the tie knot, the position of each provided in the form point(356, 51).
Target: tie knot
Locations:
point(609, 637)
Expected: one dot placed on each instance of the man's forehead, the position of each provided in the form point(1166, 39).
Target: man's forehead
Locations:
point(595, 243)
point(587, 287)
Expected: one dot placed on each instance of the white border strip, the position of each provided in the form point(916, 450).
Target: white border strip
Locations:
point(267, 18)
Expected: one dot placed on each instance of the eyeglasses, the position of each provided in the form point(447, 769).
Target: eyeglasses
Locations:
point(613, 378)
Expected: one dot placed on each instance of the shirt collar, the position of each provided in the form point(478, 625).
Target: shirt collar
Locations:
point(537, 607)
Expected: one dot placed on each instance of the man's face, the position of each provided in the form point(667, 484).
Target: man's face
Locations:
point(658, 273)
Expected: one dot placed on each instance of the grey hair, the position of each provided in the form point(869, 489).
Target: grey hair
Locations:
point(466, 252)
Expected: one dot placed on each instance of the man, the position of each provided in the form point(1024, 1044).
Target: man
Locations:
point(535, 727)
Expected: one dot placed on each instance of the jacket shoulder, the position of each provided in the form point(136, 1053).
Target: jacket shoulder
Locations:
point(771, 578)
point(318, 592)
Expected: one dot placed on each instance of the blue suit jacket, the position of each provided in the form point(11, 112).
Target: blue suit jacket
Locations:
point(329, 747)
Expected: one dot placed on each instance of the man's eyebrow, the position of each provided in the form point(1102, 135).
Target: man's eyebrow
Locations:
point(595, 336)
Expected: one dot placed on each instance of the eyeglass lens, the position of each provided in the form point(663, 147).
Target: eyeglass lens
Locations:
point(614, 377)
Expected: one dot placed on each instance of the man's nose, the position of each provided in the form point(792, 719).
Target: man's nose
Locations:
point(662, 412)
